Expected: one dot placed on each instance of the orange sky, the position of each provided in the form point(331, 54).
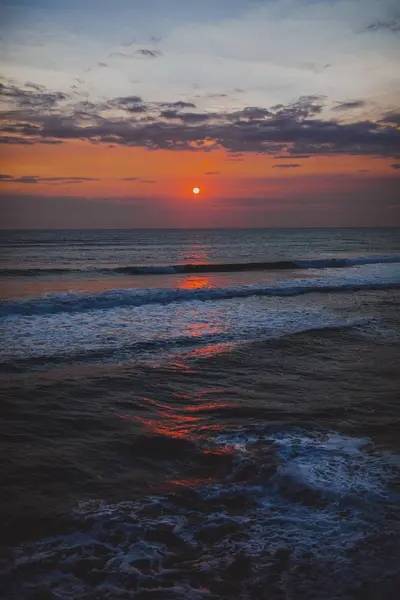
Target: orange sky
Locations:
point(170, 173)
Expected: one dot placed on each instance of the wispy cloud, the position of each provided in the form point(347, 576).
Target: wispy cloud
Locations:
point(149, 53)
point(287, 166)
point(392, 25)
point(349, 105)
point(32, 179)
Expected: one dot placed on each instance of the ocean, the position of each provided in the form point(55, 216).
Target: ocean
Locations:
point(200, 414)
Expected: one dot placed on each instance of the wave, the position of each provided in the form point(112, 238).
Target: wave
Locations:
point(120, 298)
point(316, 263)
point(37, 351)
point(296, 506)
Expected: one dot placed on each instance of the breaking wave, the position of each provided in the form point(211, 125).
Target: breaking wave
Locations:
point(373, 279)
point(317, 263)
point(295, 509)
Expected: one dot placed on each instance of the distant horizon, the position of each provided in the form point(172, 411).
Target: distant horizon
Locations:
point(2, 229)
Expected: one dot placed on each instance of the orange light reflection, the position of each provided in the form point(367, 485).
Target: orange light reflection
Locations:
point(193, 282)
point(173, 421)
point(211, 350)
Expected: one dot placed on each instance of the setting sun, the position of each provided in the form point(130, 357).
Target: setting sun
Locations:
point(196, 190)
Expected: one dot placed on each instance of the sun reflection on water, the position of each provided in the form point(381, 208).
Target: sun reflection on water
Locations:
point(194, 282)
point(179, 419)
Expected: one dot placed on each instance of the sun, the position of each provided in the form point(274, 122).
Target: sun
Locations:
point(196, 190)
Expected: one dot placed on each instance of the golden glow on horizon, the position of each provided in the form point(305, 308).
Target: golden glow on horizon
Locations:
point(107, 173)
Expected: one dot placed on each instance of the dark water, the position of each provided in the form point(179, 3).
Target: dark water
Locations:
point(223, 432)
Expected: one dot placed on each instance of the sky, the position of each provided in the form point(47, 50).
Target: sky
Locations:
point(285, 113)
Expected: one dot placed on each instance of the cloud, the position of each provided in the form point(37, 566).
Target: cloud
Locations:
point(217, 96)
point(132, 104)
point(120, 55)
point(252, 112)
point(20, 141)
point(36, 97)
point(33, 179)
point(303, 108)
point(395, 166)
point(149, 53)
point(178, 104)
point(187, 117)
point(392, 25)
point(291, 156)
point(392, 118)
point(102, 64)
point(212, 173)
point(138, 179)
point(287, 166)
point(349, 105)
point(294, 130)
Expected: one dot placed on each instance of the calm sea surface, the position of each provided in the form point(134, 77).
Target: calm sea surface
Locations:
point(200, 414)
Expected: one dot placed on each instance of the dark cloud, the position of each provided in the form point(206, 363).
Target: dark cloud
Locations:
point(291, 156)
point(102, 64)
point(212, 173)
point(130, 178)
point(132, 104)
point(36, 98)
point(178, 104)
point(197, 117)
point(187, 117)
point(18, 141)
point(287, 166)
point(393, 118)
point(252, 112)
point(349, 105)
point(170, 114)
point(392, 25)
point(149, 53)
point(395, 166)
point(303, 108)
point(32, 179)
point(293, 130)
point(22, 141)
point(127, 100)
